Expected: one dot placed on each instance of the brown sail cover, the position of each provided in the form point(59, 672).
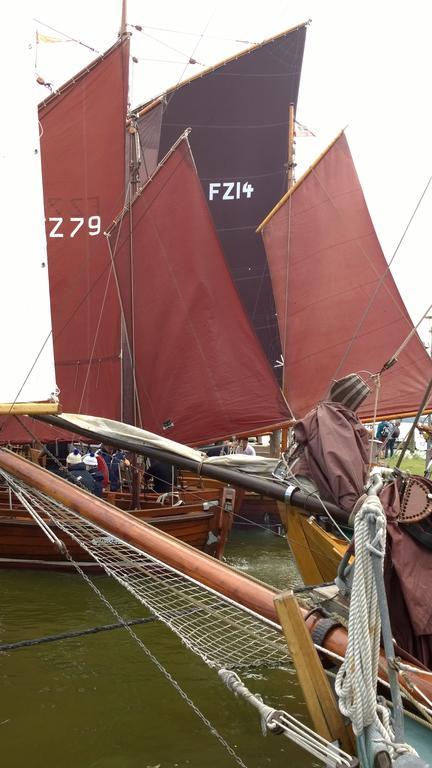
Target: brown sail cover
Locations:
point(83, 162)
point(333, 451)
point(338, 307)
point(198, 363)
point(408, 574)
point(238, 112)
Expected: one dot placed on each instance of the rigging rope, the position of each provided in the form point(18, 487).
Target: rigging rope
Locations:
point(356, 680)
point(277, 721)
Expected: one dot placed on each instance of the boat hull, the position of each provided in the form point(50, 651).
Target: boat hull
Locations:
point(204, 525)
point(317, 552)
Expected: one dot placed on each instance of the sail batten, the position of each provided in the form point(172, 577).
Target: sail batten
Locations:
point(339, 309)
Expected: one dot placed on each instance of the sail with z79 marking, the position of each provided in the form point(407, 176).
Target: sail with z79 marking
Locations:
point(82, 128)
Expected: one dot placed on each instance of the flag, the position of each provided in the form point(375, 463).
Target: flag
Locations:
point(301, 130)
point(48, 38)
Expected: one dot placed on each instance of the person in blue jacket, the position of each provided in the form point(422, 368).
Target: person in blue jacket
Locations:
point(77, 472)
point(117, 459)
point(91, 465)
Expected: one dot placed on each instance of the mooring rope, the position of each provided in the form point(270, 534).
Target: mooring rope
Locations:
point(72, 635)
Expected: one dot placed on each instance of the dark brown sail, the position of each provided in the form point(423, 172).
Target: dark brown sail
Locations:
point(238, 112)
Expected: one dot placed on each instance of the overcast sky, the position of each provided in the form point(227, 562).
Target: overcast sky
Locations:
point(367, 65)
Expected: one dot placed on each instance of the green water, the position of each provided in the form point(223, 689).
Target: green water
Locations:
point(99, 701)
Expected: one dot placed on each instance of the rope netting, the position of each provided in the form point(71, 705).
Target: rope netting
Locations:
point(227, 636)
point(221, 632)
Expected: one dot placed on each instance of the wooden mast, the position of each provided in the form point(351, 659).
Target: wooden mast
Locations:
point(123, 23)
point(129, 394)
point(290, 182)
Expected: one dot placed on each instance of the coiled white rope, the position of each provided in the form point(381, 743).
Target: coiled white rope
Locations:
point(172, 498)
point(357, 678)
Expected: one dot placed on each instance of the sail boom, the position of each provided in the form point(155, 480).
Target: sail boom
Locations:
point(11, 409)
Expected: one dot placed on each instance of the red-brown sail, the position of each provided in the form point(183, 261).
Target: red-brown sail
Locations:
point(239, 115)
point(338, 307)
point(83, 160)
point(83, 167)
point(197, 362)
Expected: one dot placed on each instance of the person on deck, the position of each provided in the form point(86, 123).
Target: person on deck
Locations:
point(78, 473)
point(382, 434)
point(103, 467)
point(220, 448)
point(393, 434)
point(104, 452)
point(382, 430)
point(246, 448)
point(117, 460)
point(91, 464)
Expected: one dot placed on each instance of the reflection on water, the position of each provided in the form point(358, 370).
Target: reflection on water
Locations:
point(264, 555)
point(98, 700)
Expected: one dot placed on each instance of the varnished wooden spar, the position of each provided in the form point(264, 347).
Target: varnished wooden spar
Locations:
point(13, 409)
point(245, 590)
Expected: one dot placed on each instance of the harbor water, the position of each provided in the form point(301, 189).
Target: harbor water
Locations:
point(100, 701)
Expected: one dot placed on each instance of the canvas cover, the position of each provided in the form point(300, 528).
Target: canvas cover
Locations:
point(408, 574)
point(333, 451)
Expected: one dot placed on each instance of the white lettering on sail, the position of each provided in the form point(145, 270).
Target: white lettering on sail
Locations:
point(54, 232)
point(69, 227)
point(230, 190)
point(80, 221)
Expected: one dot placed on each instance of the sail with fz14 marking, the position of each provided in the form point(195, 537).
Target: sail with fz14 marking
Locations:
point(338, 306)
point(239, 113)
